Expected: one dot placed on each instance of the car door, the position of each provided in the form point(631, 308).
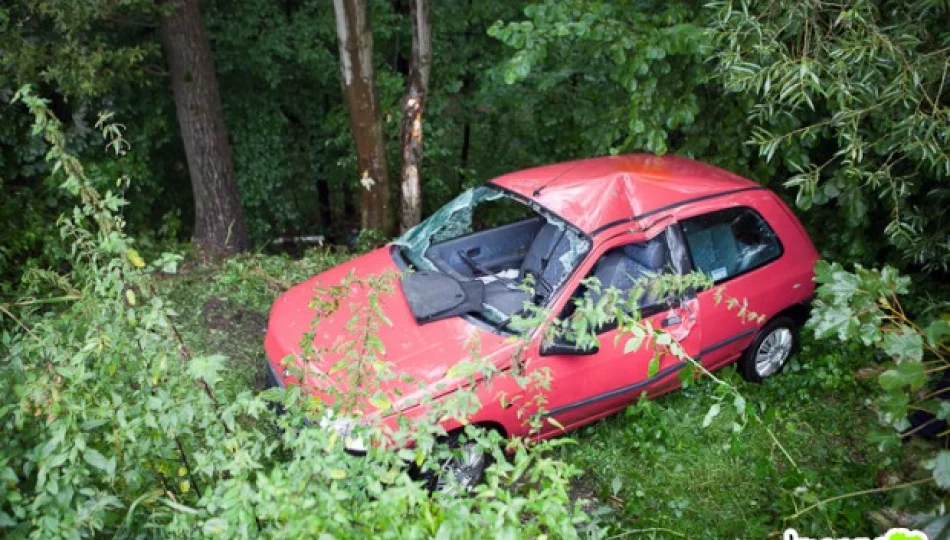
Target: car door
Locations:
point(738, 248)
point(585, 386)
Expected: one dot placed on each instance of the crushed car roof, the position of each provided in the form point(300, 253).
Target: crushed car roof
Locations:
point(597, 193)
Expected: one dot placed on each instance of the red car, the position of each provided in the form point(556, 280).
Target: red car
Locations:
point(616, 218)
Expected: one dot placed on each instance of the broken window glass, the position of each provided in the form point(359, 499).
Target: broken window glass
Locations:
point(730, 242)
point(487, 235)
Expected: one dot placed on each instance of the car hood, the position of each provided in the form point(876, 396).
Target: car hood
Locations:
point(424, 352)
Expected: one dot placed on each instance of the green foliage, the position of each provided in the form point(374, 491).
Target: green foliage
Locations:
point(660, 468)
point(864, 306)
point(88, 417)
point(851, 99)
point(85, 55)
point(278, 71)
point(111, 431)
point(113, 426)
point(627, 52)
point(941, 469)
point(611, 77)
point(79, 47)
point(843, 107)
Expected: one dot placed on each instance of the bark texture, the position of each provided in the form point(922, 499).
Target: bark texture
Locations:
point(413, 105)
point(220, 228)
point(362, 100)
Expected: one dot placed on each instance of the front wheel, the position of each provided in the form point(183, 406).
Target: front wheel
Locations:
point(463, 470)
point(770, 351)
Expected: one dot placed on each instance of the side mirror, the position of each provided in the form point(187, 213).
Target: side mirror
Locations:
point(564, 348)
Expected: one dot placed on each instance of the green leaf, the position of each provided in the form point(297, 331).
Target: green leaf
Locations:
point(135, 258)
point(829, 321)
point(207, 368)
point(97, 460)
point(461, 370)
point(615, 485)
point(943, 410)
point(373, 342)
point(380, 402)
point(633, 344)
point(941, 469)
point(739, 403)
point(893, 404)
point(903, 344)
point(710, 415)
point(843, 284)
point(937, 332)
point(654, 366)
point(214, 526)
point(686, 375)
point(908, 373)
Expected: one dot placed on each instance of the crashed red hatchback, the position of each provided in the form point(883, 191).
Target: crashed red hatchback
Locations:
point(616, 218)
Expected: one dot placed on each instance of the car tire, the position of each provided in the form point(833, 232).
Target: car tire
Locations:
point(770, 350)
point(467, 468)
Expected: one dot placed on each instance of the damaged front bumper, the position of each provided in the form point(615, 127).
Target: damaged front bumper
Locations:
point(342, 427)
point(272, 380)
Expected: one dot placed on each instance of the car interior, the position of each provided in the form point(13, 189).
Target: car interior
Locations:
point(623, 267)
point(506, 256)
point(730, 242)
point(499, 250)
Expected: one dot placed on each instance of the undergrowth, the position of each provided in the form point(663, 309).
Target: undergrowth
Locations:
point(654, 469)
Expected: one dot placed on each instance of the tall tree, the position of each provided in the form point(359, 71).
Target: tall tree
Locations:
point(417, 84)
point(855, 102)
point(219, 220)
point(359, 87)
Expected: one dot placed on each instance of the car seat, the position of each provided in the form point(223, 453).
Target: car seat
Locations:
point(622, 267)
point(714, 250)
point(542, 261)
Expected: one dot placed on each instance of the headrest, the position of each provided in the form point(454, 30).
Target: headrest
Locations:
point(650, 254)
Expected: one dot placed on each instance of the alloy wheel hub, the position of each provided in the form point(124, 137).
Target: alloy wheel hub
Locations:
point(773, 351)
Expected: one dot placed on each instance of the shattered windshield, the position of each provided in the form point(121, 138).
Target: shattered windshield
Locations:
point(485, 234)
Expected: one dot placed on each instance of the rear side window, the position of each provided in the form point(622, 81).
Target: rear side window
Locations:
point(730, 242)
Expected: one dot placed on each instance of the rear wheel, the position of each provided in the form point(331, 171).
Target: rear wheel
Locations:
point(770, 351)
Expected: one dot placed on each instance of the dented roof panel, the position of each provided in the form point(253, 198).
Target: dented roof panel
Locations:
point(592, 193)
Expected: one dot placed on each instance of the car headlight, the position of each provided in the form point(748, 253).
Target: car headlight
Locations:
point(345, 429)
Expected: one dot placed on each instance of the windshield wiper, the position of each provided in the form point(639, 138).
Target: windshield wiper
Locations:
point(503, 325)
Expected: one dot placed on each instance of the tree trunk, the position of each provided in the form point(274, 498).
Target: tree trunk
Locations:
point(417, 84)
point(359, 88)
point(219, 220)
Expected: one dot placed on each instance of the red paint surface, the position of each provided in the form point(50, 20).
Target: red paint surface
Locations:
point(591, 193)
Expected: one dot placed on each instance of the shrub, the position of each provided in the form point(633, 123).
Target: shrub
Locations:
point(113, 427)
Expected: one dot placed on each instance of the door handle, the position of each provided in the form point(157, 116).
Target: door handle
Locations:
point(670, 321)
